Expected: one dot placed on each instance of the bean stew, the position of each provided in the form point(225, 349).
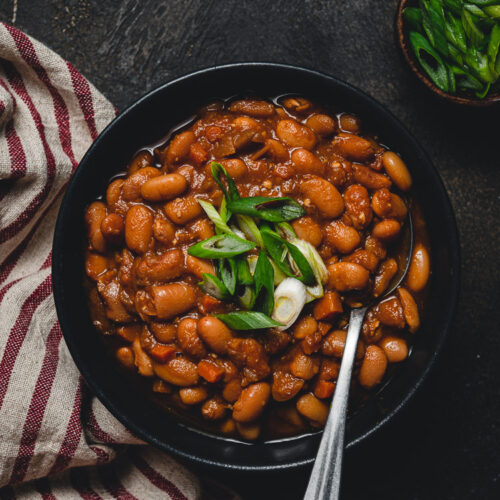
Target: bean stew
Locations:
point(234, 308)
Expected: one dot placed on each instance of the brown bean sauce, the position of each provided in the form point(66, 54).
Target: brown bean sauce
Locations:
point(142, 285)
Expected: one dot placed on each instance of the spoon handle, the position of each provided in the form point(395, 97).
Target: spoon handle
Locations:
point(324, 483)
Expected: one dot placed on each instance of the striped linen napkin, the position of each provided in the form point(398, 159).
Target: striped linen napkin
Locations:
point(50, 425)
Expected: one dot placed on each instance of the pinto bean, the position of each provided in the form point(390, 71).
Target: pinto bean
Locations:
point(179, 147)
point(395, 349)
point(324, 196)
point(386, 230)
point(232, 390)
point(334, 343)
point(141, 159)
point(397, 170)
point(138, 228)
point(420, 268)
point(344, 238)
point(305, 162)
point(162, 267)
point(193, 395)
point(203, 229)
point(304, 327)
point(164, 187)
point(323, 125)
point(313, 409)
point(141, 359)
point(188, 338)
point(177, 371)
point(295, 135)
point(304, 367)
point(353, 147)
point(95, 214)
point(248, 431)
point(163, 332)
point(198, 267)
point(410, 309)
point(213, 409)
point(112, 228)
point(373, 367)
point(182, 210)
point(346, 276)
point(125, 356)
point(163, 231)
point(350, 123)
point(285, 385)
point(131, 189)
point(386, 272)
point(375, 246)
point(251, 402)
point(358, 207)
point(252, 107)
point(215, 334)
point(369, 178)
point(113, 193)
point(364, 258)
point(390, 313)
point(173, 299)
point(309, 230)
point(115, 310)
point(95, 265)
point(235, 167)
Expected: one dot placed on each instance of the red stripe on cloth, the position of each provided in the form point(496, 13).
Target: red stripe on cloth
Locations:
point(17, 84)
point(96, 430)
point(79, 478)
point(84, 95)
point(28, 53)
point(18, 333)
point(43, 487)
point(156, 478)
point(16, 152)
point(39, 400)
point(73, 434)
point(110, 481)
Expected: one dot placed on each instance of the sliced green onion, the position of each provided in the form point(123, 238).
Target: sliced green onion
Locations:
point(217, 170)
point(279, 276)
point(244, 276)
point(250, 229)
point(494, 44)
point(264, 284)
point(454, 5)
point(214, 287)
point(436, 72)
point(493, 11)
point(474, 9)
point(269, 209)
point(483, 92)
point(483, 2)
point(249, 320)
point(478, 62)
point(285, 230)
point(474, 34)
point(413, 16)
point(228, 274)
point(289, 300)
point(434, 26)
point(220, 246)
point(247, 298)
point(214, 216)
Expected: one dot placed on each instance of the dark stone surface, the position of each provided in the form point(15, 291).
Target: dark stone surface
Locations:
point(446, 445)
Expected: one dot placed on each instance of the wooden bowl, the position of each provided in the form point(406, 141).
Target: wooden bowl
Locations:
point(463, 99)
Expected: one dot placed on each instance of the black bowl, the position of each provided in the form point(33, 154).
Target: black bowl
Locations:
point(145, 122)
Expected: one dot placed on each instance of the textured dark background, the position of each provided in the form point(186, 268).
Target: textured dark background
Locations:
point(446, 445)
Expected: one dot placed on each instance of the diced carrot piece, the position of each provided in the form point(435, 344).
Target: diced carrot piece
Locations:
point(209, 304)
point(213, 133)
point(161, 386)
point(128, 332)
point(328, 306)
point(210, 371)
point(197, 153)
point(162, 353)
point(324, 389)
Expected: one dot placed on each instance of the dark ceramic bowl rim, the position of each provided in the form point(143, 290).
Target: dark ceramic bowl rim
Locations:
point(65, 316)
point(402, 39)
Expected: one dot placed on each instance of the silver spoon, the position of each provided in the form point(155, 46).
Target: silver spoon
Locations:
point(324, 483)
